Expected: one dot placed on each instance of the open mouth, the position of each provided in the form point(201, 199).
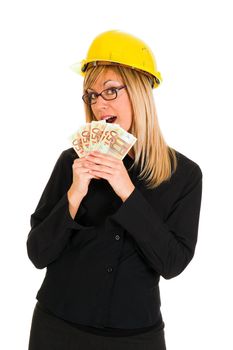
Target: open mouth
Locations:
point(111, 119)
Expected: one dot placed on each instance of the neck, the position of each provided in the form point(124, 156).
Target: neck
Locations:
point(131, 153)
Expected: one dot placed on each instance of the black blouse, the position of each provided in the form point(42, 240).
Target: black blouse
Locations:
point(103, 267)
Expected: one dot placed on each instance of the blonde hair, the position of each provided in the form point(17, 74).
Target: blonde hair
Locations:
point(155, 159)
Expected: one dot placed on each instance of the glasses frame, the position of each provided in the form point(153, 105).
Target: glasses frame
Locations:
point(100, 94)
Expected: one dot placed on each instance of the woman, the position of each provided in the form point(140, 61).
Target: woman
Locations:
point(105, 243)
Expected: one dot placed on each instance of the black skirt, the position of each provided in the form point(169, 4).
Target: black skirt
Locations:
point(49, 332)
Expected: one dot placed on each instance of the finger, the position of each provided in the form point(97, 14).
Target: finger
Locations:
point(80, 167)
point(82, 164)
point(101, 168)
point(103, 160)
point(100, 174)
point(87, 164)
point(79, 160)
point(83, 171)
point(103, 155)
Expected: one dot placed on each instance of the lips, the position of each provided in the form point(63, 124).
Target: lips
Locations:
point(109, 118)
point(104, 117)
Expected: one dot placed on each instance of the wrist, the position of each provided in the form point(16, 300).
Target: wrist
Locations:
point(73, 194)
point(123, 198)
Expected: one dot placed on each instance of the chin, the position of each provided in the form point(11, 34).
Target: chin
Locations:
point(122, 126)
point(126, 129)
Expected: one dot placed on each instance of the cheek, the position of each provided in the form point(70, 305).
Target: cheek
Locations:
point(125, 108)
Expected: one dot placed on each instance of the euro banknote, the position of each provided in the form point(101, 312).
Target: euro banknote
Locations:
point(102, 136)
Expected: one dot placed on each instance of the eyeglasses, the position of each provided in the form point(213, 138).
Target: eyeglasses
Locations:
point(108, 94)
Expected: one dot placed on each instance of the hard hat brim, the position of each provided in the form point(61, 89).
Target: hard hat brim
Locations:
point(82, 66)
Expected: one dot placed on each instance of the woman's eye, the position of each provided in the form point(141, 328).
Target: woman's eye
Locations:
point(111, 91)
point(92, 96)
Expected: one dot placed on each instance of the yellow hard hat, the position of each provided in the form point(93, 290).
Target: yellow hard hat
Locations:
point(122, 48)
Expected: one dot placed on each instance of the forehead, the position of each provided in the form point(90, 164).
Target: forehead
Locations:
point(106, 78)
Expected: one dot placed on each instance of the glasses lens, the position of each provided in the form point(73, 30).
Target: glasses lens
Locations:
point(87, 98)
point(109, 94)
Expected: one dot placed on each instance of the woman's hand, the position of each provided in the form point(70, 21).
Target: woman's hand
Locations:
point(113, 170)
point(81, 177)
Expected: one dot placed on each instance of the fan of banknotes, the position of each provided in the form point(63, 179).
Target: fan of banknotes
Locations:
point(104, 137)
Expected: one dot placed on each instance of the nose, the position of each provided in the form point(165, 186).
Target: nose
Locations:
point(101, 104)
point(99, 107)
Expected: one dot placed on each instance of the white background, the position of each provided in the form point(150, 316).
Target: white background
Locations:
point(41, 106)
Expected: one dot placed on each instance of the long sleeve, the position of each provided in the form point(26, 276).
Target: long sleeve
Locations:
point(167, 247)
point(51, 224)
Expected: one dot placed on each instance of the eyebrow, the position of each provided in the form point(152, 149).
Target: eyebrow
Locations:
point(108, 81)
point(105, 83)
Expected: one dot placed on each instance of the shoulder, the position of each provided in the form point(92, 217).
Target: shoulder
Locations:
point(186, 166)
point(65, 160)
point(69, 154)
